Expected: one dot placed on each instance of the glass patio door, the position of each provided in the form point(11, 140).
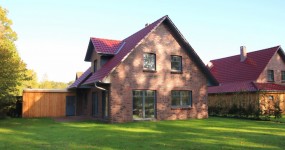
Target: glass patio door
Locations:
point(143, 104)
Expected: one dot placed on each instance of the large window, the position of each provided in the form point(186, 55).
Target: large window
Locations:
point(283, 76)
point(270, 75)
point(105, 104)
point(95, 104)
point(149, 61)
point(143, 104)
point(176, 63)
point(181, 98)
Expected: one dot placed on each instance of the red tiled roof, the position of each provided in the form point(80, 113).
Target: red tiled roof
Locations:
point(230, 69)
point(269, 87)
point(81, 79)
point(247, 86)
point(105, 46)
point(121, 49)
point(232, 87)
point(127, 45)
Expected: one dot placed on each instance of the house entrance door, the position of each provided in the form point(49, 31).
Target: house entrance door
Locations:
point(70, 105)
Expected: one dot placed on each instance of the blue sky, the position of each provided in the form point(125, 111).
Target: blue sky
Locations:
point(53, 35)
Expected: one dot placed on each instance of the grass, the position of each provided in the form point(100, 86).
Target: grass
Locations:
point(212, 133)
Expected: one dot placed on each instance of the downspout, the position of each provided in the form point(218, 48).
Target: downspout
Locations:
point(101, 88)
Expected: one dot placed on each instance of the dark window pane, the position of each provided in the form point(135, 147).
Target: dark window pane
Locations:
point(176, 63)
point(149, 61)
point(143, 104)
point(270, 75)
point(175, 98)
point(95, 66)
point(137, 104)
point(149, 107)
point(283, 75)
point(181, 98)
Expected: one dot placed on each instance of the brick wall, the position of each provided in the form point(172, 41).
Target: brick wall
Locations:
point(129, 75)
point(277, 64)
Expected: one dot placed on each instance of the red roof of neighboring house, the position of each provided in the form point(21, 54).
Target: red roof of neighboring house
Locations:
point(269, 87)
point(232, 87)
point(231, 69)
point(81, 79)
point(105, 46)
point(236, 76)
point(245, 86)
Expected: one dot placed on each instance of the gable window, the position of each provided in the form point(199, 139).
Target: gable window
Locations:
point(95, 66)
point(181, 98)
point(176, 63)
point(270, 75)
point(149, 61)
point(283, 76)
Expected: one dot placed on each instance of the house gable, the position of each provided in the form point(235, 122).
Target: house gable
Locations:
point(129, 75)
point(277, 64)
point(163, 44)
point(183, 42)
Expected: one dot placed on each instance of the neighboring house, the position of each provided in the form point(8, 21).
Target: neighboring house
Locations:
point(152, 74)
point(256, 78)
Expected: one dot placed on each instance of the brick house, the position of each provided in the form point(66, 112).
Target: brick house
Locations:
point(152, 74)
point(256, 78)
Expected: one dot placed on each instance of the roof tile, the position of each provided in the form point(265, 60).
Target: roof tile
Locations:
point(129, 43)
point(105, 46)
point(231, 69)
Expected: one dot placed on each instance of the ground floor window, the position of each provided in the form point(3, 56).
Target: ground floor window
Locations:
point(181, 98)
point(95, 104)
point(105, 104)
point(143, 104)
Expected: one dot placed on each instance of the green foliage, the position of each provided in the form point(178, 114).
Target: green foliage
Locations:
point(242, 106)
point(197, 134)
point(277, 110)
point(13, 69)
point(47, 84)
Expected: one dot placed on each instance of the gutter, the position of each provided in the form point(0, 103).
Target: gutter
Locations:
point(98, 87)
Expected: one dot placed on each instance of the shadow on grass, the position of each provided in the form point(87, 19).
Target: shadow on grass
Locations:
point(212, 133)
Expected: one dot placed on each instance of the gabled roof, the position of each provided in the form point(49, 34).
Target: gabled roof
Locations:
point(236, 76)
point(231, 69)
point(81, 79)
point(269, 87)
point(125, 47)
point(78, 74)
point(232, 87)
point(102, 46)
point(129, 44)
point(243, 86)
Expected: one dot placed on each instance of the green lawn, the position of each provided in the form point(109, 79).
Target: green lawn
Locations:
point(212, 133)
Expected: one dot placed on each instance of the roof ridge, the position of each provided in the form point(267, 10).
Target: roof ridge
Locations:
point(106, 39)
point(278, 46)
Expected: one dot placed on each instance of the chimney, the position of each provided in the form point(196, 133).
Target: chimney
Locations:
point(243, 53)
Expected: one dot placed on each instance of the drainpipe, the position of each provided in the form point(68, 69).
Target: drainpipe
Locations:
point(100, 87)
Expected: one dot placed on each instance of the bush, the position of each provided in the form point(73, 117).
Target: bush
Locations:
point(277, 110)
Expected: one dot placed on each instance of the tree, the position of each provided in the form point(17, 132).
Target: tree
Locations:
point(47, 84)
point(13, 69)
point(31, 83)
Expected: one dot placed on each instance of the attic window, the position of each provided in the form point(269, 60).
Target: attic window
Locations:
point(149, 61)
point(270, 76)
point(283, 76)
point(176, 63)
